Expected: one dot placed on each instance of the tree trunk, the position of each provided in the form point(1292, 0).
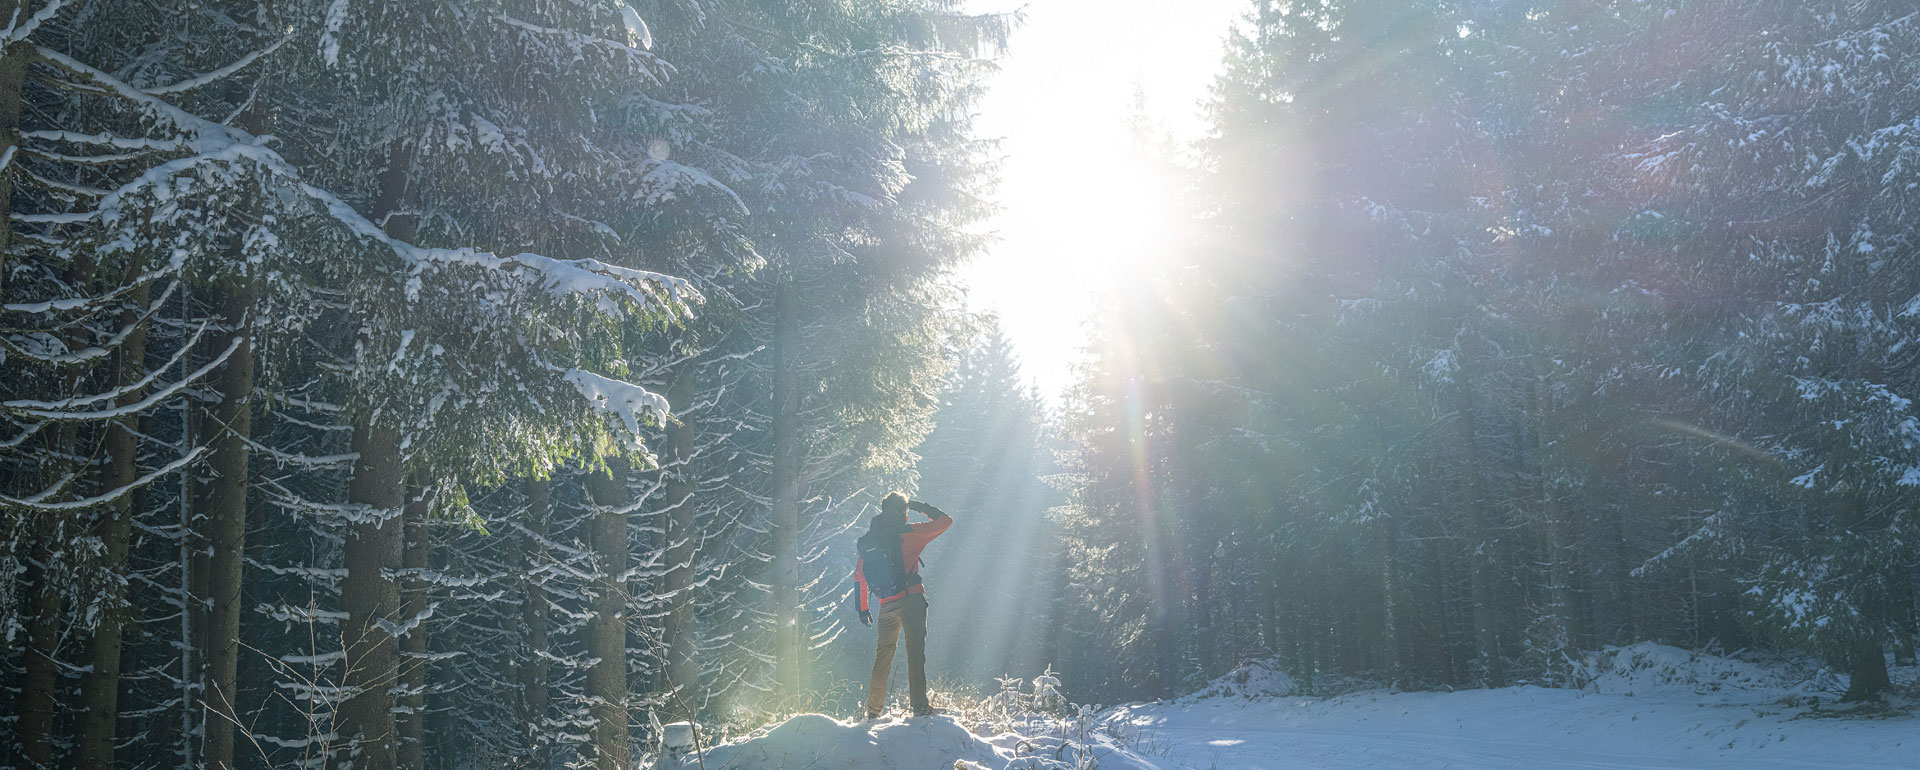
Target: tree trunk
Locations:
point(40, 677)
point(1391, 636)
point(100, 685)
point(370, 594)
point(13, 73)
point(226, 532)
point(1164, 598)
point(787, 459)
point(607, 628)
point(40, 681)
point(1491, 667)
point(1866, 659)
point(411, 720)
point(375, 542)
point(534, 619)
point(1559, 536)
point(683, 671)
point(1206, 632)
point(1866, 672)
point(36, 686)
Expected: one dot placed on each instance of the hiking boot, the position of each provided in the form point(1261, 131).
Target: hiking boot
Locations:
point(929, 712)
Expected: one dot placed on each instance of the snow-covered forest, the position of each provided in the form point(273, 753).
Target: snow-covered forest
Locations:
point(489, 383)
point(1512, 330)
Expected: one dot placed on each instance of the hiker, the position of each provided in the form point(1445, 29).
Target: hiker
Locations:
point(889, 568)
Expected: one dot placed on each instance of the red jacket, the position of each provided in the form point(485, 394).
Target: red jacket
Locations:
point(912, 542)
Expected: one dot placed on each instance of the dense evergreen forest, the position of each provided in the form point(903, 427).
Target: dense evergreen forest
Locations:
point(1513, 329)
point(456, 383)
point(483, 383)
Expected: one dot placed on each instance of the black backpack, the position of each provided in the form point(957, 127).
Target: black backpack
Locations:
point(882, 564)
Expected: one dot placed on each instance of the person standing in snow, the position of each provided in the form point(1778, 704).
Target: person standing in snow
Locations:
point(889, 568)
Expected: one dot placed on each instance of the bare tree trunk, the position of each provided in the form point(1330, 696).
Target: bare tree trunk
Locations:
point(411, 721)
point(787, 459)
point(39, 684)
point(1164, 598)
point(1392, 635)
point(1492, 668)
point(1866, 658)
point(375, 544)
point(13, 73)
point(226, 532)
point(534, 620)
point(40, 678)
point(371, 595)
point(1866, 671)
point(683, 671)
point(100, 685)
point(607, 629)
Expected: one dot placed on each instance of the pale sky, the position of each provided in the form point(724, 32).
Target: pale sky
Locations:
point(1074, 207)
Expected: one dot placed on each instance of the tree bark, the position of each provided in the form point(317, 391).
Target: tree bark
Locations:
point(683, 670)
point(787, 459)
point(1865, 657)
point(1392, 637)
point(1866, 672)
point(1480, 568)
point(371, 595)
point(100, 685)
point(374, 543)
point(40, 676)
point(13, 73)
point(38, 679)
point(411, 720)
point(534, 620)
point(607, 628)
point(226, 532)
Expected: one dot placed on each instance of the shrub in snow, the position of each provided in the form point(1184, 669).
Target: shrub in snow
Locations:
point(1047, 698)
point(1009, 701)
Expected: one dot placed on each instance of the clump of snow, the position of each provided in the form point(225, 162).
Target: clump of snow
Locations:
point(679, 736)
point(632, 405)
point(636, 27)
point(1252, 680)
point(820, 742)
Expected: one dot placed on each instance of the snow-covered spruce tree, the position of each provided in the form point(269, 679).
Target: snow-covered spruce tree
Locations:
point(139, 189)
point(1277, 452)
point(987, 456)
point(850, 125)
point(1797, 174)
point(1510, 312)
point(538, 155)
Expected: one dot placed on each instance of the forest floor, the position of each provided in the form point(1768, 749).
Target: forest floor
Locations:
point(1645, 707)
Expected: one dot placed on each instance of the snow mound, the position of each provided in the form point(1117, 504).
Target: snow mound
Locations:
point(1647, 668)
point(1253, 680)
point(819, 742)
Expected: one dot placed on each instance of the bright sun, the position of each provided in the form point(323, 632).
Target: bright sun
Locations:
point(1083, 205)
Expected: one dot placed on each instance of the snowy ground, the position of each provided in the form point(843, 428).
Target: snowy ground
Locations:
point(1646, 707)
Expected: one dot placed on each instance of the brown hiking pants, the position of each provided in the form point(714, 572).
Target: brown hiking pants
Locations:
point(909, 612)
